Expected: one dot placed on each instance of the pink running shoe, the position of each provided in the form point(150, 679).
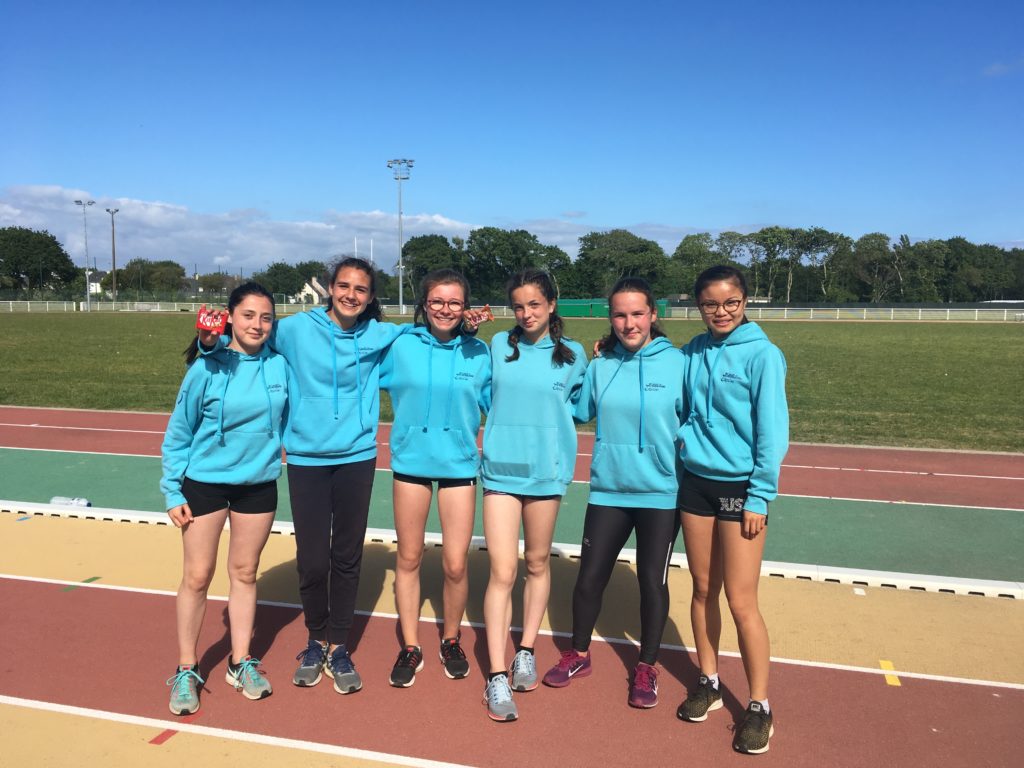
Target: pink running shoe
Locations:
point(571, 665)
point(643, 691)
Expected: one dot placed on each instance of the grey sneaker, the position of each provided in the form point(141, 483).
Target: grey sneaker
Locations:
point(340, 667)
point(246, 677)
point(498, 698)
point(524, 672)
point(311, 664)
point(185, 686)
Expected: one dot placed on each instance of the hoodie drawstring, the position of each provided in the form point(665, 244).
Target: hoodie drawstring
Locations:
point(270, 404)
point(230, 364)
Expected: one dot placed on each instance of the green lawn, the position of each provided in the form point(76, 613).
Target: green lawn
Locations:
point(935, 385)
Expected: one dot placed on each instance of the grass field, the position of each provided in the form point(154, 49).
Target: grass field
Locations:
point(936, 385)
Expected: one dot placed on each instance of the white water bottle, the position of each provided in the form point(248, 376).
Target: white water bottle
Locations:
point(71, 502)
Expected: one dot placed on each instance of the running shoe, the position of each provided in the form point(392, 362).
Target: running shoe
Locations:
point(340, 667)
point(571, 665)
point(456, 666)
point(524, 672)
point(701, 700)
point(643, 691)
point(185, 685)
point(754, 732)
point(311, 664)
point(498, 698)
point(246, 677)
point(410, 661)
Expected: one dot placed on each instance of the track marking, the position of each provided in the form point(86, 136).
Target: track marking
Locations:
point(82, 583)
point(859, 592)
point(22, 519)
point(899, 472)
point(223, 733)
point(162, 737)
point(890, 679)
point(553, 633)
point(88, 429)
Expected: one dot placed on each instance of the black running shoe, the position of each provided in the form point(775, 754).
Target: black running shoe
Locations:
point(701, 700)
point(753, 733)
point(456, 666)
point(410, 661)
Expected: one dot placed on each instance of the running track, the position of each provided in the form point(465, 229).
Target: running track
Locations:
point(960, 479)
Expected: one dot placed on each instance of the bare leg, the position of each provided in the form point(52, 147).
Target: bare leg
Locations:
point(199, 540)
point(539, 517)
point(456, 507)
point(249, 533)
point(742, 568)
point(412, 503)
point(502, 515)
point(703, 554)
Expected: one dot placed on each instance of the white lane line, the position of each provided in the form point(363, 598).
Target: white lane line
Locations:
point(552, 633)
point(223, 733)
point(87, 429)
point(899, 472)
point(898, 503)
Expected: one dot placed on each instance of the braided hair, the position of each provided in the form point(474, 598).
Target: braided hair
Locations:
point(542, 281)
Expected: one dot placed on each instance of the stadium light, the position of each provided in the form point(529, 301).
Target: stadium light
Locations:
point(85, 229)
point(113, 253)
point(401, 167)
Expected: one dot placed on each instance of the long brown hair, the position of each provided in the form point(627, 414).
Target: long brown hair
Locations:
point(542, 281)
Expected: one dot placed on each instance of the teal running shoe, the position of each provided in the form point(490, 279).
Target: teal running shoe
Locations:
point(185, 685)
point(246, 677)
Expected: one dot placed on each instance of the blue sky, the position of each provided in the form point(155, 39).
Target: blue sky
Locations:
point(235, 134)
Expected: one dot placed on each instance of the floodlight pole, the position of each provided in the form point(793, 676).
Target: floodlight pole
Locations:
point(113, 253)
point(401, 167)
point(85, 229)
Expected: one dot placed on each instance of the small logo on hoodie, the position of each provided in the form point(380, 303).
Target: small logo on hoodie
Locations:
point(465, 376)
point(274, 388)
point(558, 386)
point(653, 386)
point(729, 377)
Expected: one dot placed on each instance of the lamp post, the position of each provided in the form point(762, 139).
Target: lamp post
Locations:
point(113, 253)
point(85, 229)
point(401, 167)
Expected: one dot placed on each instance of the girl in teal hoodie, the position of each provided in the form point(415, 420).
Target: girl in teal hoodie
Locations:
point(221, 458)
point(439, 379)
point(334, 355)
point(732, 444)
point(633, 391)
point(528, 461)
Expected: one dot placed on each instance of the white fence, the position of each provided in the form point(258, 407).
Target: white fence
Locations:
point(885, 314)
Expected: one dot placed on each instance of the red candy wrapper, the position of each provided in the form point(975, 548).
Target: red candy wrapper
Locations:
point(211, 319)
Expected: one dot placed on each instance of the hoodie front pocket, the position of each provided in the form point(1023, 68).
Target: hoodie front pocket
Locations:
point(622, 468)
point(522, 451)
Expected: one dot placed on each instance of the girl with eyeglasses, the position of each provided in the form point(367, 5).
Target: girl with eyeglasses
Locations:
point(732, 444)
point(439, 379)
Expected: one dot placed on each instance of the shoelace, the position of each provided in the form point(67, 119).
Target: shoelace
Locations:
point(408, 658)
point(247, 669)
point(498, 691)
point(312, 655)
point(525, 663)
point(341, 662)
point(180, 681)
point(644, 679)
point(568, 659)
point(452, 650)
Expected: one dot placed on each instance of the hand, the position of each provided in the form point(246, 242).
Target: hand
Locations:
point(180, 515)
point(474, 318)
point(597, 348)
point(753, 524)
point(207, 338)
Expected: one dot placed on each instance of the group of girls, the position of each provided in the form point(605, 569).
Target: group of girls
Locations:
point(692, 440)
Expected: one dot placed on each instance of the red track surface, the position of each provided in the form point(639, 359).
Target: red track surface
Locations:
point(832, 718)
point(877, 474)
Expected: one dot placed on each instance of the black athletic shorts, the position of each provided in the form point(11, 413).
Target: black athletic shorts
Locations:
point(713, 498)
point(442, 482)
point(521, 497)
point(204, 498)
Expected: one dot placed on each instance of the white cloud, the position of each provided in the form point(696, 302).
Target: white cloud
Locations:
point(1001, 68)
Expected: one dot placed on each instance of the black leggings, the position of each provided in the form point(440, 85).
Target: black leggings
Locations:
point(330, 506)
point(605, 532)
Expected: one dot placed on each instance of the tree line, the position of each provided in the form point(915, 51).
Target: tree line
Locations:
point(783, 266)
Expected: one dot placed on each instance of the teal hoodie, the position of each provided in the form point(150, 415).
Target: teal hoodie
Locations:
point(638, 402)
point(530, 438)
point(437, 392)
point(227, 421)
point(334, 386)
point(737, 423)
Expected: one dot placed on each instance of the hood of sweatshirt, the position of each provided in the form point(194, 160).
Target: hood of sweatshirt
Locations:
point(650, 353)
point(333, 335)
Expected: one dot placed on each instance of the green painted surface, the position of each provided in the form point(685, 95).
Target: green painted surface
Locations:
point(909, 538)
